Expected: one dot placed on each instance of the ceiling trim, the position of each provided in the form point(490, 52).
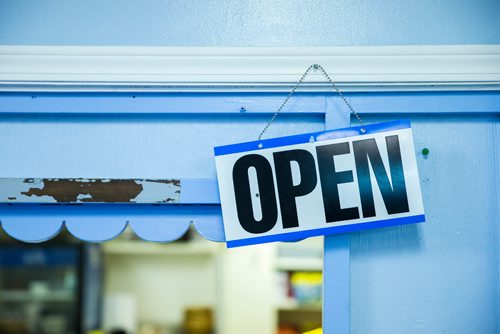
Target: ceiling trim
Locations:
point(158, 69)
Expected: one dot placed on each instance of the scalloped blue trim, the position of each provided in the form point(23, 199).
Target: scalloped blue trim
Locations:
point(98, 223)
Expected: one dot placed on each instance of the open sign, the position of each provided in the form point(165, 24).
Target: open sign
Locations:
point(321, 183)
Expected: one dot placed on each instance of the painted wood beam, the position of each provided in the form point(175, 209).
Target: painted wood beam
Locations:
point(108, 190)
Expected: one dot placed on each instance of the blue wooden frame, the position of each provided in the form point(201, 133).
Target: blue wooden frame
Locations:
point(337, 255)
point(337, 248)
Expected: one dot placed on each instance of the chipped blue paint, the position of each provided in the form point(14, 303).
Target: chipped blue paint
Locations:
point(89, 190)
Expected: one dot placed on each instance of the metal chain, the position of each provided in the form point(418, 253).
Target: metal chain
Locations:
point(306, 73)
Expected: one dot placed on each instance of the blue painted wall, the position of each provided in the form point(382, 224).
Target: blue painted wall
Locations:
point(441, 276)
point(249, 23)
point(438, 277)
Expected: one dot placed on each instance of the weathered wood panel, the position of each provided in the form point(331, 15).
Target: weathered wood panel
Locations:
point(82, 190)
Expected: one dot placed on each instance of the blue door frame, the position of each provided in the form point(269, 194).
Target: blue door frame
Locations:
point(21, 110)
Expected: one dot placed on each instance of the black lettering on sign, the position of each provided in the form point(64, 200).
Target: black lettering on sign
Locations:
point(243, 195)
point(395, 197)
point(330, 179)
point(287, 191)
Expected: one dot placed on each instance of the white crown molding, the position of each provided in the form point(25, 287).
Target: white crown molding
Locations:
point(96, 68)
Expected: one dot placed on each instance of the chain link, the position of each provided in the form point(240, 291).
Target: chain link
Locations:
point(306, 73)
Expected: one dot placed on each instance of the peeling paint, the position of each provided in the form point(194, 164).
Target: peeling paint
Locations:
point(89, 190)
point(69, 190)
point(167, 189)
point(171, 181)
point(82, 197)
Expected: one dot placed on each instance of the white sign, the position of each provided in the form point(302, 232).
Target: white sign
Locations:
point(322, 183)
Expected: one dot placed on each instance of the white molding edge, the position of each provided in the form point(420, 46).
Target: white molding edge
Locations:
point(102, 68)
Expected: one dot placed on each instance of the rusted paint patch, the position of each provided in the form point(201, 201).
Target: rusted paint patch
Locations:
point(80, 190)
point(68, 190)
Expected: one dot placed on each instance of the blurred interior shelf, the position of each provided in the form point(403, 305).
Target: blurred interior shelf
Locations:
point(126, 247)
point(294, 306)
point(27, 296)
point(299, 264)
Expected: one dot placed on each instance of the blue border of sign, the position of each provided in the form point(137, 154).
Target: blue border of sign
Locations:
point(294, 236)
point(316, 136)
